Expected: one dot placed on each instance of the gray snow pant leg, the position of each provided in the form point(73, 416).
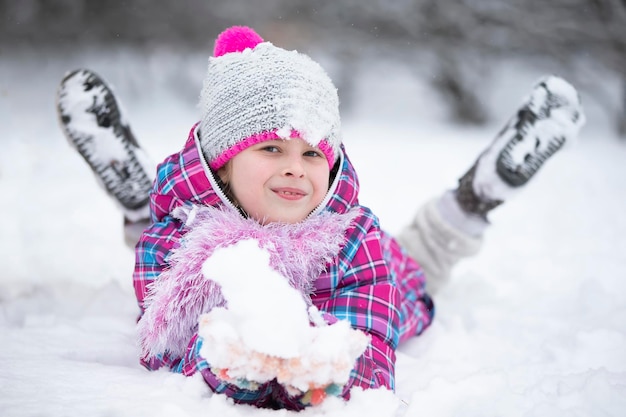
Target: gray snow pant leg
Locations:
point(436, 244)
point(133, 231)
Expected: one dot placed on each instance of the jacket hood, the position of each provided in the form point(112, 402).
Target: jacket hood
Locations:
point(185, 177)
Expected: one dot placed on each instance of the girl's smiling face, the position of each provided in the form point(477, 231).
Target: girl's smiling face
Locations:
point(278, 180)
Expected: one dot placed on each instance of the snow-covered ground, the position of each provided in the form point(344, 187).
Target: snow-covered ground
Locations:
point(533, 326)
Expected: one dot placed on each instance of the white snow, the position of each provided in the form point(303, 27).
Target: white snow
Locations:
point(242, 271)
point(535, 325)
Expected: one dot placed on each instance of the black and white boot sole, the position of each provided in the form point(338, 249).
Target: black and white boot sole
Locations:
point(93, 123)
point(534, 142)
point(549, 118)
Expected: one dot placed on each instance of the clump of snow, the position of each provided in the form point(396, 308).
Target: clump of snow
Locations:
point(266, 330)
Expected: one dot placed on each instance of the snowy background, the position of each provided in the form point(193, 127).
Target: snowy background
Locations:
point(533, 326)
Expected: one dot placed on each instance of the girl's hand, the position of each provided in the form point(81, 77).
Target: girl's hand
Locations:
point(321, 368)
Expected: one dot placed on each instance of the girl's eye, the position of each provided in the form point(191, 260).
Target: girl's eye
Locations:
point(312, 153)
point(272, 149)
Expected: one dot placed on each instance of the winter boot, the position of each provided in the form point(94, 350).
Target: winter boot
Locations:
point(92, 120)
point(551, 116)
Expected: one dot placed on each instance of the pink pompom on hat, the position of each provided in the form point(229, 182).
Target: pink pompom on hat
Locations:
point(236, 39)
point(255, 92)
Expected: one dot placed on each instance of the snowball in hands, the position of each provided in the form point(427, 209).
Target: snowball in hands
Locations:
point(265, 331)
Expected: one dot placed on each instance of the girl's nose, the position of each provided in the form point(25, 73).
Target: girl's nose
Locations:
point(293, 166)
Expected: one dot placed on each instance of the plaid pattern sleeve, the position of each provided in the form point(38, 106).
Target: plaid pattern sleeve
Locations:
point(151, 259)
point(359, 288)
point(151, 252)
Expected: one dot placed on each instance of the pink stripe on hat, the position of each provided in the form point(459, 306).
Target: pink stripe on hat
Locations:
point(244, 144)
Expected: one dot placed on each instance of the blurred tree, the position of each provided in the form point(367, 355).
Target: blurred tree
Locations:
point(464, 36)
point(449, 42)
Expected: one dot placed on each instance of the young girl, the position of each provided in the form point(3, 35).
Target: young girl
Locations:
point(266, 160)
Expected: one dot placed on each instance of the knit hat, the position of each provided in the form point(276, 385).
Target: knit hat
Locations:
point(255, 91)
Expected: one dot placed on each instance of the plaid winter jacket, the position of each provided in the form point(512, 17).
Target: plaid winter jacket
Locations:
point(372, 282)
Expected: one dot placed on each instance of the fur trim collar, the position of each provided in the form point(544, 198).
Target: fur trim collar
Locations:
point(175, 300)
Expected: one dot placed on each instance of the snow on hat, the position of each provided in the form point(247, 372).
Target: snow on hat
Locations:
point(255, 91)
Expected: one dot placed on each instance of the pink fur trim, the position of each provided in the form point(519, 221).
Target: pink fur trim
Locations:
point(236, 39)
point(244, 144)
point(176, 299)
